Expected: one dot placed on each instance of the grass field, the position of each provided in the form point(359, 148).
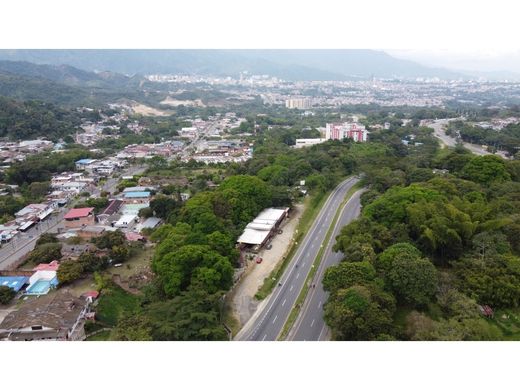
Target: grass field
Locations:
point(112, 303)
point(140, 260)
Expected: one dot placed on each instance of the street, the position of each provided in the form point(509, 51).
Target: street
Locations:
point(438, 128)
point(269, 320)
point(310, 325)
point(24, 242)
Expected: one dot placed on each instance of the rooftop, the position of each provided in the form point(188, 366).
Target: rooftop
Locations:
point(79, 213)
point(55, 311)
point(14, 282)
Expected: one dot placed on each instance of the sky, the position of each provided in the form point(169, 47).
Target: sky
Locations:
point(481, 60)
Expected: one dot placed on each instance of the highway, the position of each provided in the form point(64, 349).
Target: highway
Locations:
point(438, 128)
point(267, 323)
point(309, 325)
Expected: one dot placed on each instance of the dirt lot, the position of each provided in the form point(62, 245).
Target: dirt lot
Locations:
point(243, 295)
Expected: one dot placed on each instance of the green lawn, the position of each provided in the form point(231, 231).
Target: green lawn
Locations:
point(140, 261)
point(113, 302)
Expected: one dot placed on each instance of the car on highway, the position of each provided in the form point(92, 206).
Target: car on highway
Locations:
point(259, 260)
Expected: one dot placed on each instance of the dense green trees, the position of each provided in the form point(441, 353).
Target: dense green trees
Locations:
point(360, 313)
point(486, 169)
point(69, 271)
point(465, 221)
point(45, 253)
point(192, 315)
point(33, 119)
point(6, 295)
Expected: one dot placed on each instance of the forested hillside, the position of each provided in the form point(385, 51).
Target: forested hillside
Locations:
point(437, 240)
point(32, 119)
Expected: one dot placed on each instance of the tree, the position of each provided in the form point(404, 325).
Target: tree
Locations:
point(177, 269)
point(493, 281)
point(69, 271)
point(37, 190)
point(162, 206)
point(46, 238)
point(413, 280)
point(486, 169)
point(360, 313)
point(6, 294)
point(194, 315)
point(45, 253)
point(132, 327)
point(110, 239)
point(92, 263)
point(386, 259)
point(145, 212)
point(345, 275)
point(277, 175)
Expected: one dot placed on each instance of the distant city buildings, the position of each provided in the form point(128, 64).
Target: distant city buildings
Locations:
point(300, 103)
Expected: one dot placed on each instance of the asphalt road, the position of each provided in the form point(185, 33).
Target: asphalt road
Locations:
point(310, 325)
point(23, 243)
point(268, 322)
point(438, 128)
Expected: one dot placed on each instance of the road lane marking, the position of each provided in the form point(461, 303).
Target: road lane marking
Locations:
point(298, 274)
point(275, 317)
point(319, 305)
point(265, 335)
point(312, 323)
point(291, 288)
point(283, 303)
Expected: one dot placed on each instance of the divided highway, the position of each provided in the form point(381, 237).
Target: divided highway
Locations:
point(310, 325)
point(269, 321)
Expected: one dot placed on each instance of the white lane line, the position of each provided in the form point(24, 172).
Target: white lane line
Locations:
point(291, 288)
point(283, 303)
point(275, 317)
point(312, 323)
point(298, 274)
point(312, 246)
point(265, 335)
point(319, 305)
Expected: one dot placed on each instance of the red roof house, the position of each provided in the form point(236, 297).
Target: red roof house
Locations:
point(52, 266)
point(77, 218)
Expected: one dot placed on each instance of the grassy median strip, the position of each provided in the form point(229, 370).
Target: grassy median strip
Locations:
point(313, 207)
point(293, 315)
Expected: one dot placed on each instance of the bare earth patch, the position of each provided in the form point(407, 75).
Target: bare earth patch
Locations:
point(141, 109)
point(243, 299)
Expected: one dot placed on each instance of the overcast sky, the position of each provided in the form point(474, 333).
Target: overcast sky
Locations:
point(477, 34)
point(476, 60)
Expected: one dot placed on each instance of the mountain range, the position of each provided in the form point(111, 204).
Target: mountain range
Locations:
point(293, 65)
